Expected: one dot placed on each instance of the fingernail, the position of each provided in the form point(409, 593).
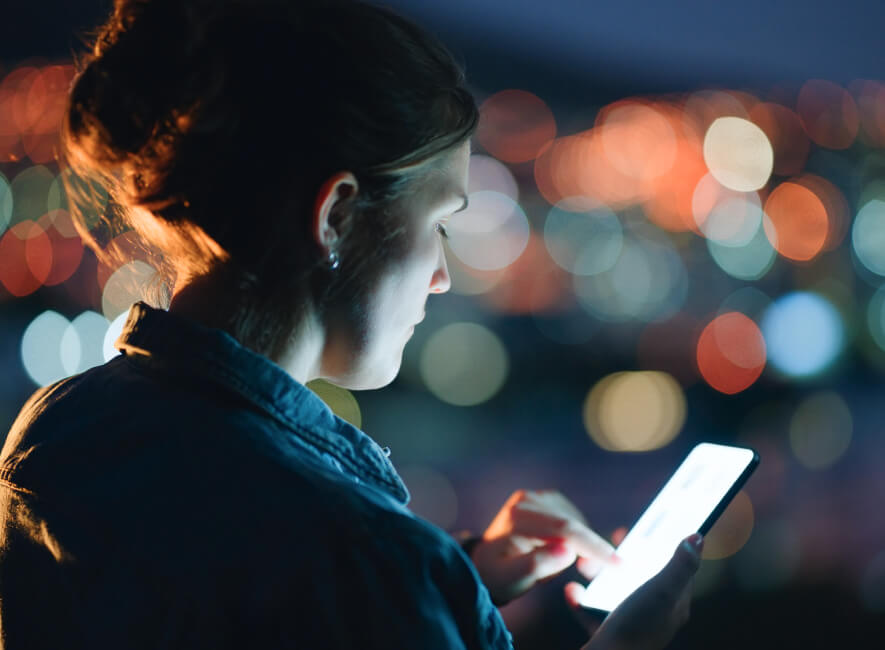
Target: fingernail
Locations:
point(559, 548)
point(694, 543)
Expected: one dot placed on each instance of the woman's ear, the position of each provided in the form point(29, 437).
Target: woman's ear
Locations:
point(331, 208)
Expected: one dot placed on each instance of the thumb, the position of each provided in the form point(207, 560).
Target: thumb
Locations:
point(682, 566)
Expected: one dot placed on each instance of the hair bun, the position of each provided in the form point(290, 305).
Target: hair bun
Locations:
point(131, 81)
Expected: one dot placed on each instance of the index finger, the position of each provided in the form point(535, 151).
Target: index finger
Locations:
point(529, 521)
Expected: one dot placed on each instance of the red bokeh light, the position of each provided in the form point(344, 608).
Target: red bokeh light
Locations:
point(25, 258)
point(731, 353)
point(67, 247)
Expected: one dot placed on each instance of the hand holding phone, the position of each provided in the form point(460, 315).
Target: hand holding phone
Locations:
point(691, 501)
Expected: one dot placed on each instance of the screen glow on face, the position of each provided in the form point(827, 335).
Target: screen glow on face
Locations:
point(679, 510)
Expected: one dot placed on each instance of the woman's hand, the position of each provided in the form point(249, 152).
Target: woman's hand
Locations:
point(535, 536)
point(650, 617)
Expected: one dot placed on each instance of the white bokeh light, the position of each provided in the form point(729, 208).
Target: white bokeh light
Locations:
point(128, 284)
point(738, 154)
point(113, 333)
point(488, 174)
point(90, 329)
point(41, 348)
point(491, 233)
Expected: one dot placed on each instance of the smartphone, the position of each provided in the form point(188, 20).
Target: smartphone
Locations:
point(690, 502)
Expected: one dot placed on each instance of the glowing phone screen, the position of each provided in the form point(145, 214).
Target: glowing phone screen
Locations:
point(705, 482)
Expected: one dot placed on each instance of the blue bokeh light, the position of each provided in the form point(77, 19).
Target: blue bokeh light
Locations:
point(804, 334)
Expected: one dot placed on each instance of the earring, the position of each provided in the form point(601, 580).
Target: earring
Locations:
point(332, 261)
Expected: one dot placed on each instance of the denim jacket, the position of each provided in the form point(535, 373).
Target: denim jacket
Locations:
point(190, 494)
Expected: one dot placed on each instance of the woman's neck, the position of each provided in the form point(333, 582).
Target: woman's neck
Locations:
point(297, 348)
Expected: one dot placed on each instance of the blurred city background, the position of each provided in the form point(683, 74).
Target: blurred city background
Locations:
point(676, 233)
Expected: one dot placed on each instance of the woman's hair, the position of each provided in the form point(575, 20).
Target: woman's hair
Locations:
point(213, 123)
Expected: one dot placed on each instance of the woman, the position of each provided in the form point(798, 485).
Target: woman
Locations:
point(290, 168)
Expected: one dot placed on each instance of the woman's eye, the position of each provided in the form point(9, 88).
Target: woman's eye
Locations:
point(441, 229)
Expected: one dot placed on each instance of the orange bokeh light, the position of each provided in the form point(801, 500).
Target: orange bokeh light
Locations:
point(25, 258)
point(835, 203)
point(788, 139)
point(515, 125)
point(828, 113)
point(731, 353)
point(798, 225)
point(637, 139)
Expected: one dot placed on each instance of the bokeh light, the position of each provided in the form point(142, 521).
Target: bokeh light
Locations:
point(637, 139)
point(788, 139)
point(804, 334)
point(115, 329)
point(732, 530)
point(870, 98)
point(128, 284)
point(724, 215)
point(464, 364)
point(25, 258)
point(748, 262)
point(669, 200)
point(583, 243)
point(340, 400)
point(820, 430)
point(738, 154)
point(67, 248)
point(533, 283)
point(731, 353)
point(648, 282)
point(433, 495)
point(798, 224)
point(86, 333)
point(876, 317)
point(41, 349)
point(868, 236)
point(488, 175)
point(514, 125)
point(828, 113)
point(491, 233)
point(635, 411)
point(30, 189)
point(6, 203)
point(704, 107)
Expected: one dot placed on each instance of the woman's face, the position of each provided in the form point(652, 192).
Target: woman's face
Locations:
point(370, 353)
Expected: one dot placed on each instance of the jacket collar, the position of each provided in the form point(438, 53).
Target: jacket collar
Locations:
point(164, 340)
